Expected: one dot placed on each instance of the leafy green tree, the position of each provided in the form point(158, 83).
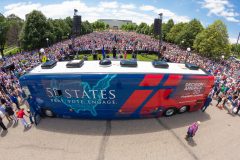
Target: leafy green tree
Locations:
point(188, 34)
point(86, 27)
point(174, 32)
point(107, 26)
point(235, 49)
point(129, 27)
point(99, 25)
point(35, 31)
point(142, 28)
point(151, 29)
point(213, 41)
point(166, 27)
point(15, 26)
point(69, 21)
point(3, 32)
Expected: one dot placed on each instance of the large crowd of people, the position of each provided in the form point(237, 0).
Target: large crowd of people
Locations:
point(226, 89)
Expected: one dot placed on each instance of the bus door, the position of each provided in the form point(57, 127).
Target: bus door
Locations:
point(31, 104)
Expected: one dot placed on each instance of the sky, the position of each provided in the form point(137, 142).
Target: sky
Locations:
point(207, 11)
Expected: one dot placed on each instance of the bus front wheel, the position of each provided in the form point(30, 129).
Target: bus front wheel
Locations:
point(169, 112)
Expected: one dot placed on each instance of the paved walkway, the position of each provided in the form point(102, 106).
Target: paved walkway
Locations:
point(163, 138)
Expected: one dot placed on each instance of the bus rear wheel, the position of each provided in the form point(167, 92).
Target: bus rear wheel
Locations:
point(48, 113)
point(183, 109)
point(169, 112)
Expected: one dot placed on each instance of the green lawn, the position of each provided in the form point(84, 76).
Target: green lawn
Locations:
point(129, 56)
point(12, 50)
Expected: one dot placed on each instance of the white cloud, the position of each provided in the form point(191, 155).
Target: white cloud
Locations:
point(232, 40)
point(232, 19)
point(111, 5)
point(147, 8)
point(221, 8)
point(21, 9)
point(128, 6)
point(101, 10)
point(167, 14)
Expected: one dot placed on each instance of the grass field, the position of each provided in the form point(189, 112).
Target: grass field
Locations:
point(129, 56)
point(12, 50)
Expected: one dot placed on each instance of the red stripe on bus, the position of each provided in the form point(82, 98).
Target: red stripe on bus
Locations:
point(134, 101)
point(173, 80)
point(151, 80)
point(157, 100)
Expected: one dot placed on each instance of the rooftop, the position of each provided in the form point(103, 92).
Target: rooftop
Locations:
point(93, 67)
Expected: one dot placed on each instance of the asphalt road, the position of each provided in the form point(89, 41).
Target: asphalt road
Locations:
point(218, 138)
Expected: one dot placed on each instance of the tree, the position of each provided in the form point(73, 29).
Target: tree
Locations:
point(99, 25)
point(15, 27)
point(3, 33)
point(69, 21)
point(35, 31)
point(86, 28)
point(166, 27)
point(174, 32)
point(213, 41)
point(107, 26)
point(188, 34)
point(235, 49)
point(129, 27)
point(142, 28)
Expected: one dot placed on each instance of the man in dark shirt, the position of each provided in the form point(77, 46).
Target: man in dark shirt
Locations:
point(2, 124)
point(114, 52)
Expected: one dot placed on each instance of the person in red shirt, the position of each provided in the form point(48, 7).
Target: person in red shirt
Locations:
point(20, 115)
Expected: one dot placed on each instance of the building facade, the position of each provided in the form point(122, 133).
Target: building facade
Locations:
point(115, 23)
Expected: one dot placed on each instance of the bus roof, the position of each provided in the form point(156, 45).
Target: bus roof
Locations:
point(93, 67)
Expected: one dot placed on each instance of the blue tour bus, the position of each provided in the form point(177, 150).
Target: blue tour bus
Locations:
point(116, 90)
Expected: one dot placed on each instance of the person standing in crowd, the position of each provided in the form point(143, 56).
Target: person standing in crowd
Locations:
point(3, 111)
point(14, 99)
point(207, 103)
point(30, 116)
point(220, 97)
point(192, 129)
point(2, 124)
point(10, 112)
point(238, 107)
point(114, 52)
point(125, 53)
point(103, 52)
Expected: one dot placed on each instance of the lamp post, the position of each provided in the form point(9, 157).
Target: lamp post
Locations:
point(182, 43)
point(68, 36)
point(236, 51)
point(160, 35)
point(47, 41)
point(188, 53)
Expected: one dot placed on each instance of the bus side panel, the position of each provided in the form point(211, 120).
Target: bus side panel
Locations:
point(193, 91)
point(85, 96)
point(177, 91)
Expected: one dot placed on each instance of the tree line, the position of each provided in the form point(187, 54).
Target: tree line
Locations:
point(38, 31)
point(211, 41)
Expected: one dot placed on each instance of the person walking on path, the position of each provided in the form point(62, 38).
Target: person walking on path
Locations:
point(20, 115)
point(207, 103)
point(192, 129)
point(2, 124)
